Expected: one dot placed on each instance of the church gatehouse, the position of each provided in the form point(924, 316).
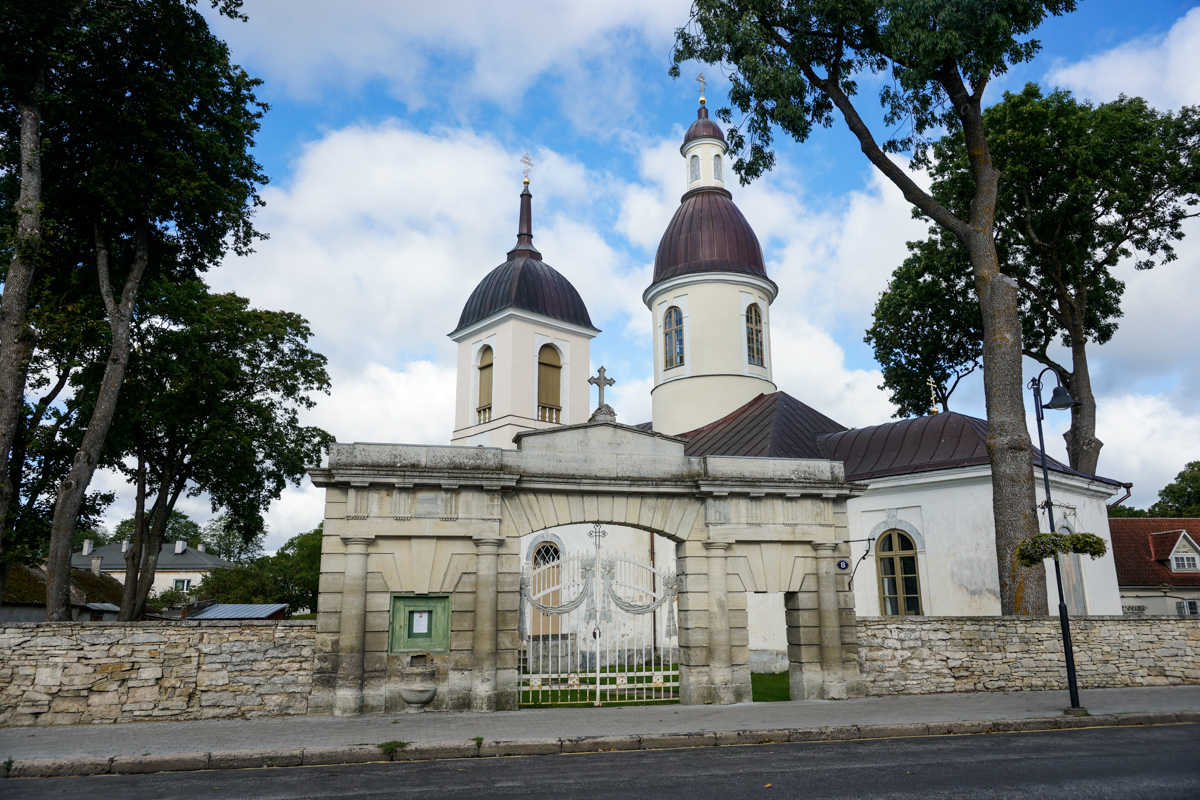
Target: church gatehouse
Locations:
point(554, 555)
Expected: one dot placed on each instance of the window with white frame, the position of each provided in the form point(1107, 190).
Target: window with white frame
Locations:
point(695, 169)
point(183, 584)
point(1185, 563)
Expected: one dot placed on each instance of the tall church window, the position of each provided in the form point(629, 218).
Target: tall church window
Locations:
point(694, 169)
point(549, 388)
point(754, 335)
point(717, 168)
point(672, 338)
point(484, 409)
point(899, 587)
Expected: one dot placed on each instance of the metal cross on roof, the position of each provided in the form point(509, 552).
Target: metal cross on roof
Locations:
point(700, 79)
point(932, 394)
point(528, 162)
point(600, 381)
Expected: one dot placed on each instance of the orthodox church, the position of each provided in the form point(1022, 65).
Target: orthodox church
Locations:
point(922, 536)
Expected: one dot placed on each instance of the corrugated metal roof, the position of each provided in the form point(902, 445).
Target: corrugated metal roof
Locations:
point(528, 284)
point(703, 127)
point(708, 234)
point(239, 611)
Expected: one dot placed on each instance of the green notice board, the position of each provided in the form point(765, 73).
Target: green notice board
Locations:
point(420, 622)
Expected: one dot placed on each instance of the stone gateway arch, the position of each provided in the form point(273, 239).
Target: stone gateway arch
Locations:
point(439, 529)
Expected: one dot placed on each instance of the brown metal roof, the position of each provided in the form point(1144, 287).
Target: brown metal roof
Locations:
point(780, 426)
point(774, 425)
point(703, 127)
point(708, 234)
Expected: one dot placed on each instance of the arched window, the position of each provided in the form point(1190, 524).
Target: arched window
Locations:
point(546, 553)
point(695, 169)
point(484, 409)
point(754, 335)
point(717, 168)
point(549, 389)
point(899, 587)
point(672, 338)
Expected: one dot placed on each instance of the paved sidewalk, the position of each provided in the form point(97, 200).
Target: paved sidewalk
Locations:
point(292, 733)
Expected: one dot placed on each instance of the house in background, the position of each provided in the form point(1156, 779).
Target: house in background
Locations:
point(94, 597)
point(179, 567)
point(1158, 564)
point(213, 610)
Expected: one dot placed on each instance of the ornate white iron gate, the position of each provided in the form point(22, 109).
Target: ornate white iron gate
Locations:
point(598, 629)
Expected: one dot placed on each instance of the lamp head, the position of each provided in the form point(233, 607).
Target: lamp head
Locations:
point(1060, 399)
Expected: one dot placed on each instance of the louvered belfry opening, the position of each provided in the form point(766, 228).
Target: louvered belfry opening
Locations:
point(549, 385)
point(484, 409)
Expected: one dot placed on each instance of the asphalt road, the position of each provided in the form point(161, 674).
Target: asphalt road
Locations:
point(1161, 762)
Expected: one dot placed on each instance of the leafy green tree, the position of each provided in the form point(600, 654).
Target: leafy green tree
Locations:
point(146, 167)
point(214, 392)
point(1181, 497)
point(926, 326)
point(1083, 187)
point(222, 536)
point(180, 528)
point(300, 560)
point(791, 64)
point(1115, 512)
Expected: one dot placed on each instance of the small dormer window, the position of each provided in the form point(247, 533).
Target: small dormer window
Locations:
point(1185, 563)
point(694, 169)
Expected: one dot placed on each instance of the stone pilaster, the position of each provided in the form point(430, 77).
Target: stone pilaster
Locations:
point(349, 698)
point(720, 664)
point(832, 679)
point(483, 681)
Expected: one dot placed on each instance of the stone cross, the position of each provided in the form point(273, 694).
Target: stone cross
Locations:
point(600, 381)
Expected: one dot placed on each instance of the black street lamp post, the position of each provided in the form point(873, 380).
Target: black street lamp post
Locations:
point(1059, 400)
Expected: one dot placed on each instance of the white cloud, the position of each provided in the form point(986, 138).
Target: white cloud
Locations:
point(483, 49)
point(1161, 69)
point(1147, 440)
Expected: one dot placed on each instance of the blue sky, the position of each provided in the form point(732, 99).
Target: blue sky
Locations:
point(393, 143)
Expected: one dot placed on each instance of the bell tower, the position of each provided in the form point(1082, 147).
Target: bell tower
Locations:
point(523, 347)
point(710, 297)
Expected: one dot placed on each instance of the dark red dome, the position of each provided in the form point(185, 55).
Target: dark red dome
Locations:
point(708, 234)
point(529, 284)
point(703, 128)
point(525, 282)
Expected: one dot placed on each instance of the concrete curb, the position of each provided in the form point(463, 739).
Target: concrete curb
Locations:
point(424, 751)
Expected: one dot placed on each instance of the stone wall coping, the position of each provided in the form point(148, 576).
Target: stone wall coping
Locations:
point(1023, 618)
point(165, 623)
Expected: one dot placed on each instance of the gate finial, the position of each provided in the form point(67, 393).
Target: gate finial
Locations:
point(603, 412)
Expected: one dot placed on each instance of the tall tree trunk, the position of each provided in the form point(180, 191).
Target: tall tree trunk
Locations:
point(1083, 448)
point(133, 555)
point(1010, 451)
point(164, 505)
point(71, 491)
point(16, 339)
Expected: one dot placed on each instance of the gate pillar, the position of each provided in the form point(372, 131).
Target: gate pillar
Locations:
point(720, 657)
point(831, 621)
point(483, 680)
point(349, 698)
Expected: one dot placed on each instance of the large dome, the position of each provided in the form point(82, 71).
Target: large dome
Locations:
point(708, 234)
point(529, 284)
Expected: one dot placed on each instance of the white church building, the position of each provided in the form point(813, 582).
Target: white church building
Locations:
point(922, 536)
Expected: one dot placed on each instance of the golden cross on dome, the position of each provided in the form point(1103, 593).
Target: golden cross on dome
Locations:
point(528, 163)
point(700, 79)
point(932, 395)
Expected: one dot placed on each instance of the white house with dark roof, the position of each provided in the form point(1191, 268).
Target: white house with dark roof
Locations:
point(179, 566)
point(1158, 565)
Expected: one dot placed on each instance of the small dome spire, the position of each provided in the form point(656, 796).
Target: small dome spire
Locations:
point(703, 127)
point(524, 246)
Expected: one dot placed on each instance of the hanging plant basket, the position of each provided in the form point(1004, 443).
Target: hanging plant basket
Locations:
point(1040, 546)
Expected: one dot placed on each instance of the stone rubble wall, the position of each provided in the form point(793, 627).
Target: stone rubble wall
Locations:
point(989, 654)
point(98, 672)
point(70, 673)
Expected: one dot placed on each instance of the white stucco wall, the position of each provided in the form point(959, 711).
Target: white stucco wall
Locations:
point(948, 513)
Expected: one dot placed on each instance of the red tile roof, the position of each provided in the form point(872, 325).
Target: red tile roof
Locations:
point(1141, 546)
